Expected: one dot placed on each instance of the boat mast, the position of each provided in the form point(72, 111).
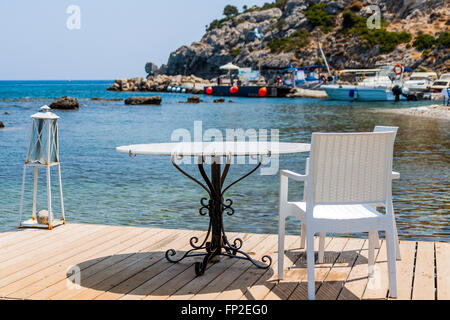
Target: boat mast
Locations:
point(324, 58)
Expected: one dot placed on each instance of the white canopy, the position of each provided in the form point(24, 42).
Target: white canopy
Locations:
point(229, 66)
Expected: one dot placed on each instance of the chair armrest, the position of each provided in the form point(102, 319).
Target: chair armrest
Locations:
point(395, 175)
point(292, 175)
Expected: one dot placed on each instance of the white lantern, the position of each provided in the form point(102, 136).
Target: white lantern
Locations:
point(43, 151)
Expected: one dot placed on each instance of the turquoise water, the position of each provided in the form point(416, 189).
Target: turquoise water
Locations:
point(103, 186)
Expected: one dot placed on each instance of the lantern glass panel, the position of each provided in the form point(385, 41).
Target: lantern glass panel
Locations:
point(43, 148)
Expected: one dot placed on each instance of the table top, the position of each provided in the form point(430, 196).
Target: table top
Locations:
point(215, 148)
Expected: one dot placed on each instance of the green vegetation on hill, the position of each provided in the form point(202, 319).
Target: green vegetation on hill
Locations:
point(444, 40)
point(318, 17)
point(424, 41)
point(354, 24)
point(216, 24)
point(427, 41)
point(280, 4)
point(297, 40)
point(230, 11)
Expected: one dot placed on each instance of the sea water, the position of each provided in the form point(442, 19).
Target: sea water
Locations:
point(103, 186)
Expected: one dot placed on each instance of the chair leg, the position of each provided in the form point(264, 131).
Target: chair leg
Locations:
point(303, 236)
point(321, 247)
point(392, 268)
point(373, 242)
point(377, 241)
point(397, 246)
point(281, 231)
point(397, 242)
point(310, 264)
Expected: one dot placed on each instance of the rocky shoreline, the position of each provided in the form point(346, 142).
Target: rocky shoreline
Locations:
point(432, 111)
point(160, 83)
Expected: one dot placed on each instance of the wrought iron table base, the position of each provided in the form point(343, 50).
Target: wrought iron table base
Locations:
point(215, 242)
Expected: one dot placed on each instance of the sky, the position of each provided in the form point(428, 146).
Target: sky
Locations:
point(108, 39)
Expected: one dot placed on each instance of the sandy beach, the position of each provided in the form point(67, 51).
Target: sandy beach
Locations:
point(432, 111)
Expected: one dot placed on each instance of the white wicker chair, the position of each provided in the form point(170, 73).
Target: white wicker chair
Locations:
point(395, 175)
point(348, 174)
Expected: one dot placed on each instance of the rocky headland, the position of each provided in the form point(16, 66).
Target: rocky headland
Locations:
point(414, 33)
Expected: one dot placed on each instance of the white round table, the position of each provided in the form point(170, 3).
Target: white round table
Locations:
point(215, 243)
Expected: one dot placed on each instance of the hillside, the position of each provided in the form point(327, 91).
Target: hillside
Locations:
point(413, 32)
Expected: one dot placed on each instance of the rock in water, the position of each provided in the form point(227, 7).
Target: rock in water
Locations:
point(42, 217)
point(155, 100)
point(65, 103)
point(194, 99)
point(220, 100)
point(2, 125)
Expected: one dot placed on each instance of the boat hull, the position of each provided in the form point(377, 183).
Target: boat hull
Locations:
point(349, 93)
point(249, 91)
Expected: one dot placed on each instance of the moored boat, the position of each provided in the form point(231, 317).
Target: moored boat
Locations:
point(442, 83)
point(381, 84)
point(248, 91)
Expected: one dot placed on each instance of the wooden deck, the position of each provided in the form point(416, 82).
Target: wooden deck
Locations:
point(117, 262)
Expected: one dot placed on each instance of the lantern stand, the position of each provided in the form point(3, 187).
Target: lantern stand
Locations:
point(43, 150)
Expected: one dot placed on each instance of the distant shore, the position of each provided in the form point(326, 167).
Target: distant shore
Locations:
point(432, 111)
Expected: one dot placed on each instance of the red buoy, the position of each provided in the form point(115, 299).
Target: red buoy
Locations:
point(262, 91)
point(209, 90)
point(234, 89)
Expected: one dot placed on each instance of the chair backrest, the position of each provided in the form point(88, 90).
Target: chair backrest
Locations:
point(348, 168)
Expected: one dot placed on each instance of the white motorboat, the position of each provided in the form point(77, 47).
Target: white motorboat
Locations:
point(382, 84)
point(442, 83)
point(419, 82)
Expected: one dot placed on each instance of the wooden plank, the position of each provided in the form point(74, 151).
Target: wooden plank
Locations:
point(108, 278)
point(85, 260)
point(118, 262)
point(146, 274)
point(32, 241)
point(334, 281)
point(170, 272)
point(19, 236)
point(443, 270)
point(58, 246)
point(113, 258)
point(49, 272)
point(222, 282)
point(356, 282)
point(238, 287)
point(423, 288)
point(41, 273)
point(187, 282)
point(332, 252)
point(378, 285)
point(269, 286)
point(405, 270)
point(196, 284)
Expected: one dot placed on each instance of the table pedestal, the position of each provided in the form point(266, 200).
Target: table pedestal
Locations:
point(215, 243)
